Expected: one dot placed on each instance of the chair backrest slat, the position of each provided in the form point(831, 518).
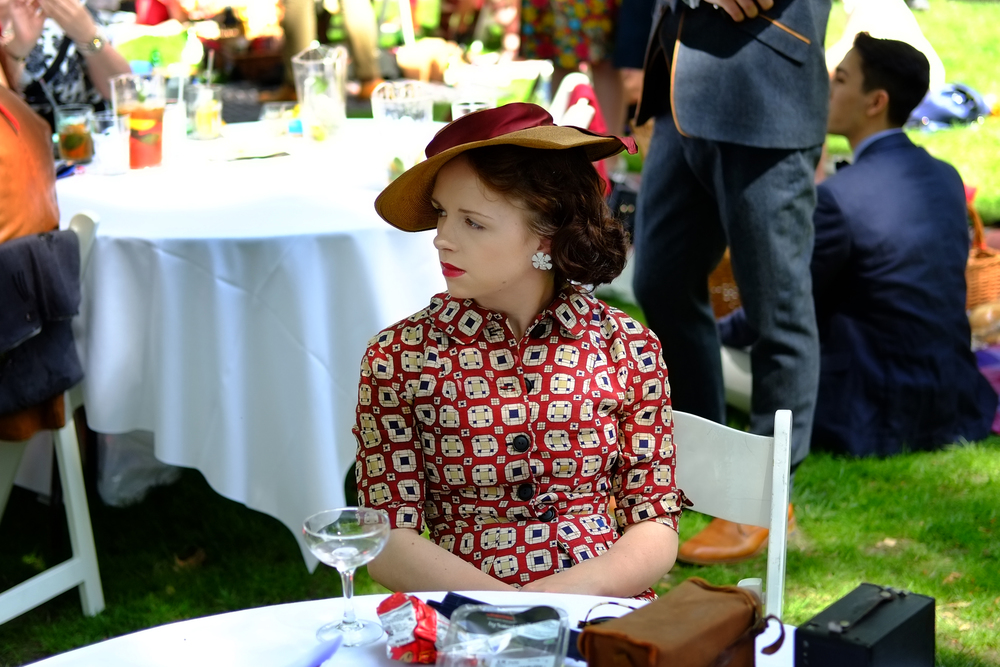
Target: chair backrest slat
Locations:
point(742, 478)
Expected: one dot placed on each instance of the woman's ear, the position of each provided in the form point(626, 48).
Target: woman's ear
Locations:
point(545, 245)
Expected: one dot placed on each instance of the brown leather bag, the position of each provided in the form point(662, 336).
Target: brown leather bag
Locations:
point(27, 170)
point(696, 624)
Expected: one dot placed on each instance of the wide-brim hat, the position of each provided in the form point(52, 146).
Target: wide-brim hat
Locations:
point(406, 202)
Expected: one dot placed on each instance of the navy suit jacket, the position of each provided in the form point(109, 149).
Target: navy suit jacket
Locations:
point(761, 82)
point(896, 369)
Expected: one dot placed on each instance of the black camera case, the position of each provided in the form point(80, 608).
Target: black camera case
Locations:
point(872, 626)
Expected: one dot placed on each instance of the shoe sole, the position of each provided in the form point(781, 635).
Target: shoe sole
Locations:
point(723, 561)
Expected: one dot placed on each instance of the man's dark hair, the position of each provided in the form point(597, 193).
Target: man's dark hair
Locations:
point(897, 68)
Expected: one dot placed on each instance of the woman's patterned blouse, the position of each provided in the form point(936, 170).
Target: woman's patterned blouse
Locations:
point(507, 450)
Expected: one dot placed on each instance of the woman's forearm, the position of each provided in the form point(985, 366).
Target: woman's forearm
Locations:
point(412, 563)
point(16, 70)
point(637, 560)
point(103, 65)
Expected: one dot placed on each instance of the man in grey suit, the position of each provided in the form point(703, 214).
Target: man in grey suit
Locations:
point(739, 91)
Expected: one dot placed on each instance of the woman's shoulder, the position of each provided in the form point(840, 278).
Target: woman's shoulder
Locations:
point(410, 331)
point(616, 323)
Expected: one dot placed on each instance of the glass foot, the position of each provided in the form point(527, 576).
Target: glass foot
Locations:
point(359, 633)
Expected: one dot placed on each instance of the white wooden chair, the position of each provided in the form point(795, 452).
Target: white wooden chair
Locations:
point(742, 478)
point(81, 569)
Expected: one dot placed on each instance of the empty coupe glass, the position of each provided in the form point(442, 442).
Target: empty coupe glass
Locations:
point(347, 538)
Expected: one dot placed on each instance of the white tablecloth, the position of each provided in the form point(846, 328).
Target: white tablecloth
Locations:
point(276, 636)
point(227, 306)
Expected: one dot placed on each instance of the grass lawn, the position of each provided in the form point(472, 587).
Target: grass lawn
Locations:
point(965, 35)
point(929, 522)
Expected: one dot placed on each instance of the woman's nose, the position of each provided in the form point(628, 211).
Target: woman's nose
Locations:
point(442, 240)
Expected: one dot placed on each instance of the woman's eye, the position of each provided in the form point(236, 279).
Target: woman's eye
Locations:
point(439, 212)
point(470, 223)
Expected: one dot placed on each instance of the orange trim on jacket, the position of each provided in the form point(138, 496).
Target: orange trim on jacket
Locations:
point(673, 73)
point(786, 28)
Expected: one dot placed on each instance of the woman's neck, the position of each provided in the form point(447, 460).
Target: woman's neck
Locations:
point(522, 306)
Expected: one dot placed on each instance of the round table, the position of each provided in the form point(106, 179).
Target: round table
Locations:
point(227, 306)
point(279, 635)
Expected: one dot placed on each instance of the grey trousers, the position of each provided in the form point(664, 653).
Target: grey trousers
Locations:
point(697, 196)
point(299, 26)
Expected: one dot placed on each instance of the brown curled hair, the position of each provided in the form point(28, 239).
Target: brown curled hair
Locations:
point(563, 196)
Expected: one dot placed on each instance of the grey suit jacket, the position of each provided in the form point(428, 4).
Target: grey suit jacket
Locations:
point(762, 82)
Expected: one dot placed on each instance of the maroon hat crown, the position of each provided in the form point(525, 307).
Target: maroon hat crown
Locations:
point(488, 124)
point(492, 123)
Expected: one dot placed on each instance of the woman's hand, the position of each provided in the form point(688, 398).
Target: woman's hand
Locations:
point(741, 9)
point(72, 17)
point(26, 19)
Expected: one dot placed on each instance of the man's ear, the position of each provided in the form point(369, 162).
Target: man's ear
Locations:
point(878, 103)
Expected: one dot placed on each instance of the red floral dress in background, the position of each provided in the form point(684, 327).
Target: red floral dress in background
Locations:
point(507, 450)
point(568, 32)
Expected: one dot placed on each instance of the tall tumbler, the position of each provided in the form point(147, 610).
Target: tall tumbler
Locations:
point(142, 97)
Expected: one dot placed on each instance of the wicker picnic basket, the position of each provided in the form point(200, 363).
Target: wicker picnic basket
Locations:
point(982, 273)
point(722, 289)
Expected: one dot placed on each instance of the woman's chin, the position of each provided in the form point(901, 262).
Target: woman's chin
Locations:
point(458, 292)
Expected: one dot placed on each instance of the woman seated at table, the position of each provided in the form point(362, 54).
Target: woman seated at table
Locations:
point(506, 415)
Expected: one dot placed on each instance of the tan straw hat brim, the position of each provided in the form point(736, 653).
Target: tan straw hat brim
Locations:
point(406, 202)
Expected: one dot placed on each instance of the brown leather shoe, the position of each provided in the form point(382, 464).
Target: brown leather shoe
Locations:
point(368, 87)
point(727, 542)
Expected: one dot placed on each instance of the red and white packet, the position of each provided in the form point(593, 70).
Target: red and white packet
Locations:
point(414, 628)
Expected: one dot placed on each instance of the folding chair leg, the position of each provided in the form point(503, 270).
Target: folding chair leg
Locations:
point(81, 534)
point(10, 460)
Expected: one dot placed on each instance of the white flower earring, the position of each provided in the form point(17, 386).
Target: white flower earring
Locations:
point(542, 261)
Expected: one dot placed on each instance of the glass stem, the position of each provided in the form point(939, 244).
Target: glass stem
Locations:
point(347, 579)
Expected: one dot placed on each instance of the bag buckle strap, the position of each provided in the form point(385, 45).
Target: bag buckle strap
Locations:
point(749, 634)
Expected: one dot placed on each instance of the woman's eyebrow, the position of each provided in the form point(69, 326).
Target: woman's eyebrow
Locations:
point(475, 213)
point(464, 211)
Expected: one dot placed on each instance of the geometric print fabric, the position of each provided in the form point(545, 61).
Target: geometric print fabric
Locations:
point(507, 450)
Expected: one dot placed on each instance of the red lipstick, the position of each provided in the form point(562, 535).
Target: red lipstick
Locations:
point(451, 271)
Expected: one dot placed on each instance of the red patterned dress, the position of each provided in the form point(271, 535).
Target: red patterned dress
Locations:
point(568, 32)
point(508, 450)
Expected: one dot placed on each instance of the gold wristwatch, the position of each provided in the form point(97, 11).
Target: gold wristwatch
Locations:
point(93, 45)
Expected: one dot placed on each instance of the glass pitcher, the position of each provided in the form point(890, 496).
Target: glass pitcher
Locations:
point(320, 80)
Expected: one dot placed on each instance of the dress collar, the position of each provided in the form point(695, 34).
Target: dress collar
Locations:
point(465, 320)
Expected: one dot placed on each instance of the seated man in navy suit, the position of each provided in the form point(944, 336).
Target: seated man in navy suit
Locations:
point(888, 269)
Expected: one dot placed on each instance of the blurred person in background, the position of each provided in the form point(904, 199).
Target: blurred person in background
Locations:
point(299, 26)
point(635, 20)
point(575, 33)
point(58, 45)
point(739, 92)
point(888, 273)
point(28, 196)
point(27, 170)
point(155, 12)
